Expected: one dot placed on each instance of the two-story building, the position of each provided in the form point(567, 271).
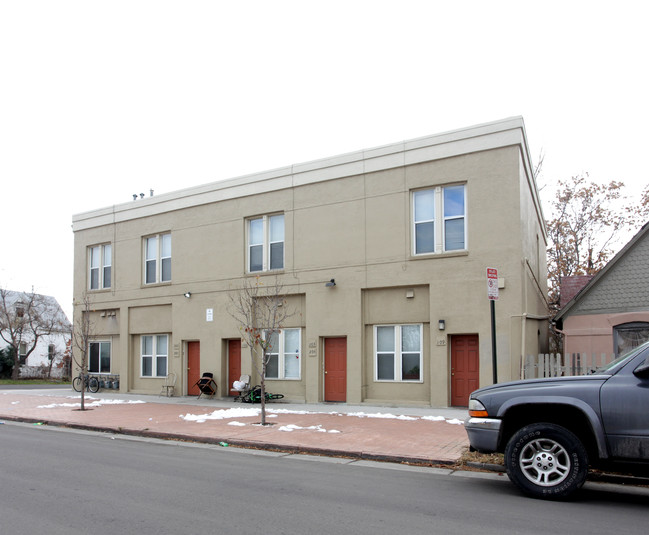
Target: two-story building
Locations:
point(382, 254)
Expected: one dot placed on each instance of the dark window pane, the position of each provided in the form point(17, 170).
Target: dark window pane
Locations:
point(272, 368)
point(256, 257)
point(385, 364)
point(410, 367)
point(277, 255)
point(166, 270)
point(454, 234)
point(93, 358)
point(424, 238)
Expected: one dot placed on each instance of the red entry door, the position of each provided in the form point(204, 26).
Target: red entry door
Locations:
point(193, 367)
point(234, 364)
point(335, 366)
point(465, 368)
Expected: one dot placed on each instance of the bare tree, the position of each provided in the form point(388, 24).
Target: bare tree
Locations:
point(260, 311)
point(81, 336)
point(25, 318)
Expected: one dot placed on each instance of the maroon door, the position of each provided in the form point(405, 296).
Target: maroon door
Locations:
point(465, 368)
point(193, 367)
point(234, 364)
point(335, 366)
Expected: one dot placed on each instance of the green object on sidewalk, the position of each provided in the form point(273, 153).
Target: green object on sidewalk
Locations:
point(224, 444)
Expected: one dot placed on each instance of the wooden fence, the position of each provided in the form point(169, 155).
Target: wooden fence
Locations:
point(557, 365)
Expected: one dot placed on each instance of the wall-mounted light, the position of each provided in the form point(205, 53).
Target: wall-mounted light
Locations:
point(331, 283)
point(441, 325)
point(187, 294)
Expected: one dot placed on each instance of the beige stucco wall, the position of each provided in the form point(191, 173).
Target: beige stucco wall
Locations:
point(593, 334)
point(356, 229)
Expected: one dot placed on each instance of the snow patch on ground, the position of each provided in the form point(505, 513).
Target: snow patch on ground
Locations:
point(95, 403)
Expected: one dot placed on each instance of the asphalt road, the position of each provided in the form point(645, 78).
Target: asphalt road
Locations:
point(58, 481)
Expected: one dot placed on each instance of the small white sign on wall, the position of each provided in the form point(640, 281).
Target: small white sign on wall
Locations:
point(209, 314)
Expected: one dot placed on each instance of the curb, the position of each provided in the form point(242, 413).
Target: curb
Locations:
point(269, 446)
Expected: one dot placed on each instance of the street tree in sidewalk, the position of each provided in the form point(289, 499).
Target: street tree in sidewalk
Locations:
point(25, 319)
point(82, 335)
point(260, 312)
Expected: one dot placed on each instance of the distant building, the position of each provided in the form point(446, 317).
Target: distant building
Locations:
point(50, 346)
point(382, 252)
point(610, 314)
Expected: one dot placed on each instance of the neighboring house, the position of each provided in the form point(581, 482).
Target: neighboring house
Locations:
point(406, 233)
point(48, 346)
point(610, 314)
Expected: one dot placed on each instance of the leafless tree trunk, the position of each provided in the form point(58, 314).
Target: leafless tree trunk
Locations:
point(260, 311)
point(81, 336)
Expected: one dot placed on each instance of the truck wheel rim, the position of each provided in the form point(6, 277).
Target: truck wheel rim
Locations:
point(545, 462)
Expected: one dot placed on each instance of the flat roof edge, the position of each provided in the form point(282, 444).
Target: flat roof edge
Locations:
point(465, 140)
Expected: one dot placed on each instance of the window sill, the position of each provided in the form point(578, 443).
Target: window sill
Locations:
point(265, 273)
point(156, 284)
point(448, 254)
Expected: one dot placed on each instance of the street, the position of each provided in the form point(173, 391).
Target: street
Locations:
point(58, 481)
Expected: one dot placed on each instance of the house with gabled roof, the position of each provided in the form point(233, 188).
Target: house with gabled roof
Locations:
point(610, 314)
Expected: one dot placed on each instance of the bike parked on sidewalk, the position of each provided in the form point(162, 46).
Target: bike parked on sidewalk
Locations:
point(90, 382)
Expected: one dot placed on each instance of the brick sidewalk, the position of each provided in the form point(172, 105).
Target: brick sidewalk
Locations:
point(323, 429)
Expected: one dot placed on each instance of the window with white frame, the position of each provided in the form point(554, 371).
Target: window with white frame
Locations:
point(398, 353)
point(99, 266)
point(439, 219)
point(284, 355)
point(157, 259)
point(22, 352)
point(99, 357)
point(266, 243)
point(154, 355)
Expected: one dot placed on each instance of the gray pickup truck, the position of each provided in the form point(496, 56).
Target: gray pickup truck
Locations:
point(551, 430)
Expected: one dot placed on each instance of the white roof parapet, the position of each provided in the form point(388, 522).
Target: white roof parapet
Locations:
point(505, 132)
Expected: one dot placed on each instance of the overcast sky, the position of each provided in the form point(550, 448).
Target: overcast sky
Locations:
point(101, 100)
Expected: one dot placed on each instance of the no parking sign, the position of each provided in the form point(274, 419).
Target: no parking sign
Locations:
point(492, 283)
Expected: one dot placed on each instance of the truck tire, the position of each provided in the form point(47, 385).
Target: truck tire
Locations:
point(546, 461)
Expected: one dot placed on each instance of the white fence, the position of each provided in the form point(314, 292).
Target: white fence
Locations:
point(557, 365)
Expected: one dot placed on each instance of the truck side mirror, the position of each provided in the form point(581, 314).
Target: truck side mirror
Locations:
point(642, 371)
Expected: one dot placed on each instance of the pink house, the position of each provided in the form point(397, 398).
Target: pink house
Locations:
point(610, 314)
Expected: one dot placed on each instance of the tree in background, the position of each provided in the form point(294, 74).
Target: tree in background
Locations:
point(260, 311)
point(25, 318)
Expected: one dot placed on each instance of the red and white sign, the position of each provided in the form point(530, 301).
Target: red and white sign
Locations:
point(492, 283)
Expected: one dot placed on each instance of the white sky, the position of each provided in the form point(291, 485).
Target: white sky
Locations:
point(100, 100)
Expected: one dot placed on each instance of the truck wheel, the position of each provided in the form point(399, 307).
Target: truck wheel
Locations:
point(546, 461)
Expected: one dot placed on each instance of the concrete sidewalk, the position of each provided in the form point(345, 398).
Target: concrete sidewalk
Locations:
point(413, 435)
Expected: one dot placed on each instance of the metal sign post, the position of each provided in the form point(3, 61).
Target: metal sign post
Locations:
point(492, 293)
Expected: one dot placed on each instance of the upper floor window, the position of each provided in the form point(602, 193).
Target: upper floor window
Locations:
point(157, 259)
point(99, 266)
point(439, 219)
point(266, 243)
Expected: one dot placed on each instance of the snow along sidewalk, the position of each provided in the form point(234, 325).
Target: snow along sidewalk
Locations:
point(407, 434)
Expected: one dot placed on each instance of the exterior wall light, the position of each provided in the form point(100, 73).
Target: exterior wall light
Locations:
point(442, 325)
point(187, 294)
point(331, 283)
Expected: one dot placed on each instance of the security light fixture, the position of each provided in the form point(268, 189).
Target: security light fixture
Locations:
point(442, 325)
point(331, 283)
point(187, 294)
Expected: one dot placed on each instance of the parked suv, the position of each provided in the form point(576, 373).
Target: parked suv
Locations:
point(552, 429)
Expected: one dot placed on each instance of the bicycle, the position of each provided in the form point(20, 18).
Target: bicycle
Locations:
point(254, 395)
point(90, 382)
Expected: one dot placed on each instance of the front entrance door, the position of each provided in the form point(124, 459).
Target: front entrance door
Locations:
point(234, 364)
point(335, 369)
point(193, 367)
point(465, 368)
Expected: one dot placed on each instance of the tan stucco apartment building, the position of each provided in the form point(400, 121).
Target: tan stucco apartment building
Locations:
point(406, 233)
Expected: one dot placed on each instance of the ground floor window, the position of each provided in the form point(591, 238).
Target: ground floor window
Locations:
point(285, 355)
point(397, 354)
point(154, 354)
point(99, 357)
point(630, 335)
